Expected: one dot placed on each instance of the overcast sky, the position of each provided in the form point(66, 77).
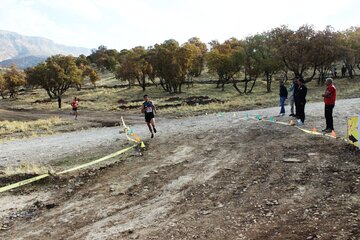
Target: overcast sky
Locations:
point(128, 23)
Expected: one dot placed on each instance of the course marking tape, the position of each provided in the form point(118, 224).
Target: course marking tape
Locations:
point(24, 182)
point(97, 161)
point(37, 178)
point(304, 130)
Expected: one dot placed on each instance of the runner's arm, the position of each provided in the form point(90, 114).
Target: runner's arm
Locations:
point(143, 108)
point(154, 108)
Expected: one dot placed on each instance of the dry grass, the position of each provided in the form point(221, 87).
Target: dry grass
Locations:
point(106, 99)
point(26, 168)
point(30, 128)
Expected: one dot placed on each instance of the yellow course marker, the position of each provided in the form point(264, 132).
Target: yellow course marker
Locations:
point(22, 183)
point(37, 178)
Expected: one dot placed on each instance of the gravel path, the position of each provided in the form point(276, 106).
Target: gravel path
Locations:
point(49, 148)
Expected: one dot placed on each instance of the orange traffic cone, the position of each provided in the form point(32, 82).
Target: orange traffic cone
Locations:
point(333, 134)
point(314, 130)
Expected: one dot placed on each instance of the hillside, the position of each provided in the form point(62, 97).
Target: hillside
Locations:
point(26, 50)
point(23, 62)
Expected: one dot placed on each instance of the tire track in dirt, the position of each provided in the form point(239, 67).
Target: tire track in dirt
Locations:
point(220, 178)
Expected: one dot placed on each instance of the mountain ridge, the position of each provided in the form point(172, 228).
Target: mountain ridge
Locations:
point(14, 46)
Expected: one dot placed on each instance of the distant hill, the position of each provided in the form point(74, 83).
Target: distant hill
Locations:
point(27, 51)
point(23, 62)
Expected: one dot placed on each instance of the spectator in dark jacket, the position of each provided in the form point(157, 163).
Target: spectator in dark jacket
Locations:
point(300, 99)
point(283, 96)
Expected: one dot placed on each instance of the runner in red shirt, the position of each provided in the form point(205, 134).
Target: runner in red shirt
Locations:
point(329, 100)
point(75, 105)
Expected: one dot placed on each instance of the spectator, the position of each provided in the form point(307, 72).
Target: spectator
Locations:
point(343, 71)
point(292, 89)
point(283, 96)
point(329, 100)
point(300, 100)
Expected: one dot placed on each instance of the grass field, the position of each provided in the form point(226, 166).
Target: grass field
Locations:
point(10, 129)
point(109, 99)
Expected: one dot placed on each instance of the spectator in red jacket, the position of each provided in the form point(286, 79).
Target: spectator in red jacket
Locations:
point(329, 100)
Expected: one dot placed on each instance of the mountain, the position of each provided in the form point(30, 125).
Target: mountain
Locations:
point(23, 62)
point(29, 51)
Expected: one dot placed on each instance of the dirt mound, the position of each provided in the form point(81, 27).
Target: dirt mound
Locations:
point(227, 183)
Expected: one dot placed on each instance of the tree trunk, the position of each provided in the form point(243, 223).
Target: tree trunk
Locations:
point(268, 81)
point(162, 84)
point(143, 83)
point(223, 87)
point(252, 86)
point(218, 83)
point(350, 70)
point(49, 94)
point(236, 88)
point(246, 85)
point(312, 76)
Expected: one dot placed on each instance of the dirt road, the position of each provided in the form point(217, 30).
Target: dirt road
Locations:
point(50, 148)
point(207, 177)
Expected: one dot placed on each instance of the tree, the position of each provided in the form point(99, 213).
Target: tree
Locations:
point(265, 56)
point(127, 71)
point(326, 52)
point(350, 49)
point(198, 52)
point(135, 66)
point(87, 71)
point(105, 59)
point(13, 80)
point(2, 86)
point(171, 63)
point(56, 75)
point(295, 48)
point(226, 60)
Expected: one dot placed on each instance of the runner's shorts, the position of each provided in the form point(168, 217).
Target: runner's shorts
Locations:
point(149, 116)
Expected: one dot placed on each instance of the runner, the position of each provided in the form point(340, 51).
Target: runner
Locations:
point(149, 109)
point(75, 105)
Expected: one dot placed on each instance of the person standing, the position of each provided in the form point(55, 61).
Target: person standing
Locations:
point(301, 101)
point(149, 109)
point(329, 100)
point(283, 96)
point(343, 71)
point(292, 89)
point(75, 105)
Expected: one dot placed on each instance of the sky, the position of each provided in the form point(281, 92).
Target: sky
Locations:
point(123, 24)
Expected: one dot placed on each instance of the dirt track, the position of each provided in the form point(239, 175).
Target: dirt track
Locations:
point(50, 148)
point(206, 177)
